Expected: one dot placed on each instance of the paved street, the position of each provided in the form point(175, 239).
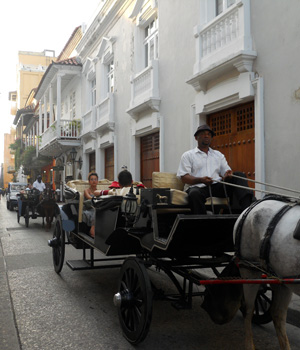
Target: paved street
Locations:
point(74, 310)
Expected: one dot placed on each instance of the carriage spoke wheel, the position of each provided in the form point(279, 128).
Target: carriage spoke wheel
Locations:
point(134, 300)
point(27, 215)
point(262, 306)
point(58, 246)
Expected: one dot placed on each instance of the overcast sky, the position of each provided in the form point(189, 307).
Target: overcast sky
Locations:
point(34, 25)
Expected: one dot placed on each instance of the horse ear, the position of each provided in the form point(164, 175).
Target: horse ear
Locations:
point(296, 233)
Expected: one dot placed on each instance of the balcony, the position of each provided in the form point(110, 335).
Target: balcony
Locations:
point(59, 138)
point(105, 119)
point(145, 91)
point(222, 45)
point(89, 124)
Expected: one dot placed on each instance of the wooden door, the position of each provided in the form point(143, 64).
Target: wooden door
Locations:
point(149, 157)
point(92, 162)
point(109, 163)
point(234, 130)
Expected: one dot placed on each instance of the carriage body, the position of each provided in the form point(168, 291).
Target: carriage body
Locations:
point(161, 233)
point(159, 228)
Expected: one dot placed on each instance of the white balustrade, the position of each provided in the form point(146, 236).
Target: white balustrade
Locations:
point(67, 129)
point(145, 85)
point(89, 120)
point(220, 33)
point(105, 112)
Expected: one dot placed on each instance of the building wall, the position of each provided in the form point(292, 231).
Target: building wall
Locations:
point(31, 68)
point(9, 160)
point(275, 30)
point(176, 59)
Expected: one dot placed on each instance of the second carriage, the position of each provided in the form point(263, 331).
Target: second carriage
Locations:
point(33, 204)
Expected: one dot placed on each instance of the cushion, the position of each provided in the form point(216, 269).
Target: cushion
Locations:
point(166, 180)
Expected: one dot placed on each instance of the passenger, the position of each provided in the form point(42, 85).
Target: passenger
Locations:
point(38, 184)
point(202, 165)
point(89, 193)
point(121, 187)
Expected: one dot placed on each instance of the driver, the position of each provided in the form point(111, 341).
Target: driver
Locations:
point(38, 184)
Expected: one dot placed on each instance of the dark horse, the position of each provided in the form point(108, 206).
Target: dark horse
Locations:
point(48, 204)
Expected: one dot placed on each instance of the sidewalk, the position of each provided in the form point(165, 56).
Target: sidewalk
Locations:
point(9, 339)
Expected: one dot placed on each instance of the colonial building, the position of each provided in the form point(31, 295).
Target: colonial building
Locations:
point(147, 73)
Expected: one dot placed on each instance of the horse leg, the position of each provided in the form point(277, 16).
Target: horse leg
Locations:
point(280, 302)
point(250, 293)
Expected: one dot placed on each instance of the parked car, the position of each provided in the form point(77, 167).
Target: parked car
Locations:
point(13, 190)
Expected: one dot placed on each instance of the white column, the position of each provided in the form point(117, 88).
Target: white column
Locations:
point(116, 163)
point(161, 144)
point(258, 85)
point(98, 154)
point(51, 104)
point(85, 166)
point(58, 100)
point(45, 113)
point(40, 118)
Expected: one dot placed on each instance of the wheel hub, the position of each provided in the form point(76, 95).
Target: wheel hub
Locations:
point(124, 298)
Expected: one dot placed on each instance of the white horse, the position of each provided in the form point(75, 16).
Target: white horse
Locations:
point(268, 235)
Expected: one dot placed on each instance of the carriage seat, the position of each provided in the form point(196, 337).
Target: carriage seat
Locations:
point(81, 185)
point(178, 195)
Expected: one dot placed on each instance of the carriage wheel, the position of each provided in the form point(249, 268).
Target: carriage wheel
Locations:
point(58, 246)
point(263, 303)
point(134, 300)
point(27, 216)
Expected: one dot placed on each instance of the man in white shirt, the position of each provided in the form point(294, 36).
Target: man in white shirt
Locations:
point(201, 166)
point(38, 184)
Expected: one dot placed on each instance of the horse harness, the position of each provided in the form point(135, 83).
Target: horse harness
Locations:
point(265, 244)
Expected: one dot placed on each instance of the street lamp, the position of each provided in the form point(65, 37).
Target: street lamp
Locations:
point(73, 154)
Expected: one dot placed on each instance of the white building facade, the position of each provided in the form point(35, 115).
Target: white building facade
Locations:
point(149, 72)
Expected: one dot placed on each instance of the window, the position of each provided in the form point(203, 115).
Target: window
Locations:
point(73, 105)
point(151, 42)
point(222, 5)
point(110, 77)
point(93, 92)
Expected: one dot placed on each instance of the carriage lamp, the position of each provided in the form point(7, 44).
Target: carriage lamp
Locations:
point(129, 203)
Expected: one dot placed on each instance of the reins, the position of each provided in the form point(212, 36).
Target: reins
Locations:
point(266, 184)
point(255, 189)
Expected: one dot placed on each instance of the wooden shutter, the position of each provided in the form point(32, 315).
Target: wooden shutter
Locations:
point(92, 162)
point(149, 157)
point(109, 163)
point(235, 131)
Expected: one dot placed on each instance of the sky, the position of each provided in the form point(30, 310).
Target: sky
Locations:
point(34, 25)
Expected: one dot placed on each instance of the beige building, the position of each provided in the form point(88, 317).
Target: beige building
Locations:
point(9, 158)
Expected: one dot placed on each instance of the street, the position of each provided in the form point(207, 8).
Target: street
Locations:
point(74, 310)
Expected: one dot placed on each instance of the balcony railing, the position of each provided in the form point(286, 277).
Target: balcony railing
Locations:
point(66, 130)
point(89, 121)
point(145, 89)
point(224, 43)
point(105, 113)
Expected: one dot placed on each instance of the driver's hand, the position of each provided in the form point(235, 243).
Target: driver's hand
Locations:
point(227, 175)
point(206, 180)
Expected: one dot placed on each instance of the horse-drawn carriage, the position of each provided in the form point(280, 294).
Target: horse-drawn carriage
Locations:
point(155, 229)
point(33, 204)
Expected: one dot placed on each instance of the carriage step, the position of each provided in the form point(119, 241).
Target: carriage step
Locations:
point(86, 265)
point(79, 265)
